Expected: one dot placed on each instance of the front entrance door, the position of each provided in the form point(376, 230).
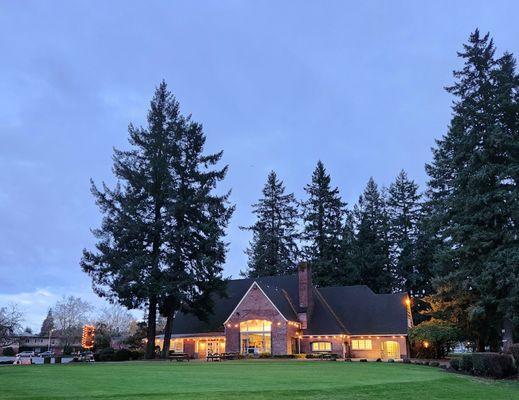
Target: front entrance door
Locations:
point(212, 347)
point(392, 349)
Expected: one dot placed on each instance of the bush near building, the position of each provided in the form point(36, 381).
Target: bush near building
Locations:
point(109, 354)
point(8, 352)
point(434, 338)
point(492, 365)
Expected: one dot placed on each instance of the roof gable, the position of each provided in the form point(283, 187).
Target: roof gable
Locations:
point(245, 296)
point(354, 310)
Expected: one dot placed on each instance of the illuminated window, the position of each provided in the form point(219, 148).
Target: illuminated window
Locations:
point(361, 344)
point(176, 345)
point(321, 346)
point(256, 326)
point(255, 336)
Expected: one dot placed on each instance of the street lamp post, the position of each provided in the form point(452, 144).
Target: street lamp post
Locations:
point(50, 333)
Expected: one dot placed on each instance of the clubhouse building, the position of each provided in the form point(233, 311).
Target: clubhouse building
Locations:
point(284, 315)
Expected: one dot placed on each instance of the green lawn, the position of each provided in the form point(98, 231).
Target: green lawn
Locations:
point(246, 379)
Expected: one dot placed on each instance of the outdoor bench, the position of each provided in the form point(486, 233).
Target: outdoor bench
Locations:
point(229, 356)
point(179, 357)
point(214, 357)
point(325, 356)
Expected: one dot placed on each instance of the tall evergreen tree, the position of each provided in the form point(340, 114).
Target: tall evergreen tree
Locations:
point(138, 260)
point(348, 273)
point(323, 214)
point(403, 206)
point(273, 250)
point(198, 218)
point(474, 195)
point(372, 256)
point(47, 324)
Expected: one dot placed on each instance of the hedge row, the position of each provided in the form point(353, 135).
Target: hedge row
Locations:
point(493, 365)
point(110, 354)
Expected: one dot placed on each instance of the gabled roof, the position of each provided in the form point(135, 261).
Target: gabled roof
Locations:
point(364, 312)
point(274, 288)
point(353, 310)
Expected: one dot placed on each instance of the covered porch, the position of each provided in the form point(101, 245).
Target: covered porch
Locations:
point(195, 345)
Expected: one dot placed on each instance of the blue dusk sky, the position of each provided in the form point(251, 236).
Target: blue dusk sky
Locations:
point(278, 85)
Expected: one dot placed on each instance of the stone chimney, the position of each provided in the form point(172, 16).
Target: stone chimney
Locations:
point(306, 300)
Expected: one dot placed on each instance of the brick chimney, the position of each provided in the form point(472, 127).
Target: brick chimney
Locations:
point(306, 300)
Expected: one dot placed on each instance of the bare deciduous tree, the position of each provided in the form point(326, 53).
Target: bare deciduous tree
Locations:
point(11, 318)
point(116, 319)
point(70, 314)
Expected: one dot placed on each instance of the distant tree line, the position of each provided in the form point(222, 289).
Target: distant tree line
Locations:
point(377, 243)
point(453, 247)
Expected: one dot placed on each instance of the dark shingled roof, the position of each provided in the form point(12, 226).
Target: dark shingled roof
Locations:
point(364, 312)
point(274, 287)
point(352, 310)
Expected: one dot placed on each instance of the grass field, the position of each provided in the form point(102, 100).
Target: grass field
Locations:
point(247, 380)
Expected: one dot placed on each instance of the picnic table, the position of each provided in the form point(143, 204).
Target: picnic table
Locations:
point(221, 356)
point(179, 357)
point(214, 357)
point(229, 356)
point(326, 356)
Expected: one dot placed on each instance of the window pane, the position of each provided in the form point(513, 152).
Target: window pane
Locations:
point(256, 326)
point(361, 344)
point(321, 346)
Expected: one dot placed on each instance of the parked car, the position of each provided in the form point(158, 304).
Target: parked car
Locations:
point(25, 354)
point(47, 354)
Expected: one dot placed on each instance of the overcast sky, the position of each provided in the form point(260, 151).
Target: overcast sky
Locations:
point(277, 85)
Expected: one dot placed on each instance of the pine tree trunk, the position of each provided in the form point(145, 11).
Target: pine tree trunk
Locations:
point(167, 334)
point(152, 328)
point(480, 345)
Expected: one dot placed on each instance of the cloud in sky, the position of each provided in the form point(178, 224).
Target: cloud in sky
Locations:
point(277, 85)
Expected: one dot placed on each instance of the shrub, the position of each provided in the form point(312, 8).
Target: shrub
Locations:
point(347, 359)
point(466, 363)
point(104, 354)
point(379, 360)
point(122, 355)
point(406, 360)
point(299, 356)
point(390, 360)
point(514, 350)
point(267, 355)
point(9, 352)
point(493, 365)
point(363, 360)
point(434, 338)
point(67, 350)
point(137, 354)
point(455, 364)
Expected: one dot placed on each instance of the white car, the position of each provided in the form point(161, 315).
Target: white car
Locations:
point(25, 354)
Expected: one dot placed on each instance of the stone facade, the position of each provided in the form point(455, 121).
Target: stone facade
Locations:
point(256, 306)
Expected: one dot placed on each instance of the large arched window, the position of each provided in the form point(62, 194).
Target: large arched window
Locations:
point(255, 336)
